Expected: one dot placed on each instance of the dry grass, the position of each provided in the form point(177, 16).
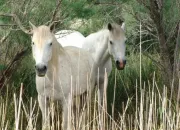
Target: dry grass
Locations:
point(155, 110)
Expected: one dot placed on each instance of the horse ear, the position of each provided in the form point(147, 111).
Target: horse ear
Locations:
point(123, 26)
point(52, 27)
point(110, 27)
point(32, 25)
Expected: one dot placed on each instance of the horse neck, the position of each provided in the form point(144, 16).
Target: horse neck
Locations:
point(102, 53)
point(57, 52)
point(59, 58)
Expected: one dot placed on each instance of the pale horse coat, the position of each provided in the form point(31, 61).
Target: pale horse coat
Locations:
point(61, 73)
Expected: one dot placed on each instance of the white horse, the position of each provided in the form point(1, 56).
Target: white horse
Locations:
point(70, 38)
point(104, 44)
point(61, 73)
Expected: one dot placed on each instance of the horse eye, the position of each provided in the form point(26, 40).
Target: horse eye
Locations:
point(33, 43)
point(50, 44)
point(111, 42)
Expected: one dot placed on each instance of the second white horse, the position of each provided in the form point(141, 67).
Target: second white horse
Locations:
point(102, 45)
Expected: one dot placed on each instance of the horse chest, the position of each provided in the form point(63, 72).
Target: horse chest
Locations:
point(47, 88)
point(55, 85)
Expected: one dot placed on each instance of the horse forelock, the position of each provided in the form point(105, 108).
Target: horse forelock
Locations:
point(117, 31)
point(42, 35)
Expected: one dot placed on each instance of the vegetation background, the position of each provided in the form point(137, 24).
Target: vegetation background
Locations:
point(153, 47)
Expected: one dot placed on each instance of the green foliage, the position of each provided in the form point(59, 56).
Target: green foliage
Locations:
point(171, 13)
point(2, 67)
point(26, 74)
point(80, 9)
point(42, 13)
point(128, 79)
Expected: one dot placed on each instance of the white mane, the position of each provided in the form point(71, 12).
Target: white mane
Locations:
point(70, 38)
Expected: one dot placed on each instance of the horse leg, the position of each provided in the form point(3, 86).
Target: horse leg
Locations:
point(79, 104)
point(43, 104)
point(102, 100)
point(102, 90)
point(66, 113)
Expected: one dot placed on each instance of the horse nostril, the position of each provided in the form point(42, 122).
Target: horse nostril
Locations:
point(40, 68)
point(117, 62)
point(124, 61)
point(44, 68)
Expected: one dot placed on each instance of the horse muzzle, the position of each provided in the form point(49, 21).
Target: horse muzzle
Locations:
point(120, 64)
point(41, 70)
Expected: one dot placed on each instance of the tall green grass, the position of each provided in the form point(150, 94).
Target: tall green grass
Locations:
point(126, 80)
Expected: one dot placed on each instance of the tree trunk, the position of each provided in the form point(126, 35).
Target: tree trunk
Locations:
point(165, 57)
point(176, 67)
point(156, 14)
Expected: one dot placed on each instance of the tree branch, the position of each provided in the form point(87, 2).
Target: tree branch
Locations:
point(5, 37)
point(151, 58)
point(16, 19)
point(173, 33)
point(106, 3)
point(56, 11)
point(8, 24)
point(144, 2)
